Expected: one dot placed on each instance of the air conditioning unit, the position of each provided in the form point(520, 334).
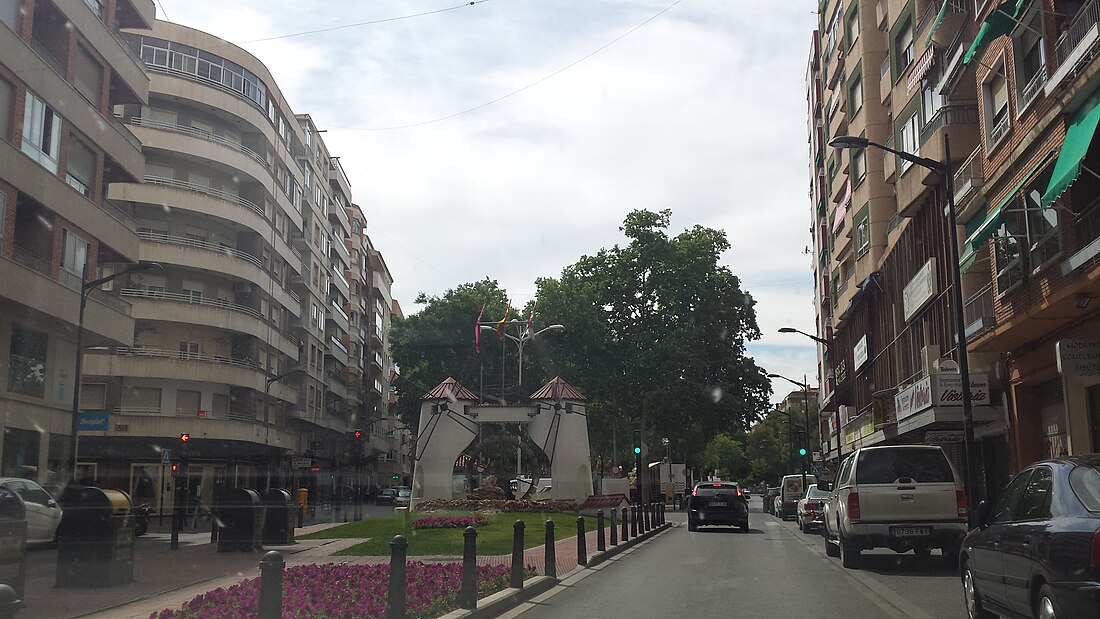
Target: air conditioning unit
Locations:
point(242, 287)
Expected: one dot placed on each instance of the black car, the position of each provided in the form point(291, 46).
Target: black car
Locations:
point(769, 500)
point(718, 502)
point(1036, 553)
point(386, 497)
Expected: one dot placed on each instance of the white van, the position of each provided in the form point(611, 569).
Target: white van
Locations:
point(790, 491)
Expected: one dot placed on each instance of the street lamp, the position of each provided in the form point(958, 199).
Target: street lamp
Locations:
point(839, 422)
point(523, 338)
point(86, 288)
point(806, 419)
point(943, 169)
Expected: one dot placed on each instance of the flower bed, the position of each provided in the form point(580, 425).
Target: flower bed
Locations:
point(345, 590)
point(449, 522)
point(492, 506)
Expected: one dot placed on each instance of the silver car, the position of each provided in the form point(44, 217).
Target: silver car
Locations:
point(43, 512)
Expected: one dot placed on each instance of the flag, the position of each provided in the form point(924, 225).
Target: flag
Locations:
point(531, 322)
point(477, 331)
point(500, 325)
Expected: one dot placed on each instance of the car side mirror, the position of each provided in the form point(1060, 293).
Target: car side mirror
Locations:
point(51, 503)
point(981, 514)
point(824, 486)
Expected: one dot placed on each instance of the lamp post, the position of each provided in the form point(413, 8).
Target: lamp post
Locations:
point(523, 338)
point(943, 169)
point(805, 417)
point(86, 288)
point(836, 404)
point(267, 407)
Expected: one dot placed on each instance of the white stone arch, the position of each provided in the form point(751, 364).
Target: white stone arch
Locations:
point(555, 420)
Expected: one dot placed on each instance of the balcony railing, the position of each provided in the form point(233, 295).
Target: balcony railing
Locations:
point(339, 312)
point(139, 293)
point(338, 344)
point(1087, 17)
point(970, 172)
point(159, 237)
point(203, 189)
point(48, 57)
point(998, 131)
point(199, 133)
point(161, 353)
point(1033, 88)
point(979, 307)
point(120, 215)
point(961, 113)
point(31, 260)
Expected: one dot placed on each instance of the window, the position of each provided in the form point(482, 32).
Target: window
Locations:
point(855, 95)
point(88, 76)
point(995, 97)
point(192, 290)
point(9, 14)
point(1035, 503)
point(862, 228)
point(93, 396)
point(909, 141)
point(885, 466)
point(27, 361)
point(903, 48)
point(1008, 256)
point(1030, 61)
point(1005, 509)
point(188, 402)
point(190, 350)
point(859, 166)
point(73, 258)
point(3, 218)
point(80, 167)
point(41, 132)
point(141, 399)
point(931, 100)
point(1043, 234)
point(221, 404)
point(5, 108)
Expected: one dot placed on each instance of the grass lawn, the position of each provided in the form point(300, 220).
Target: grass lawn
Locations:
point(494, 538)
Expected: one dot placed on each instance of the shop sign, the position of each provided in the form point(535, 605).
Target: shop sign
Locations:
point(300, 463)
point(913, 400)
point(943, 436)
point(920, 290)
point(1078, 357)
point(949, 390)
point(92, 421)
point(859, 352)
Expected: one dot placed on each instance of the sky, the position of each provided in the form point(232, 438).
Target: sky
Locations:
point(558, 118)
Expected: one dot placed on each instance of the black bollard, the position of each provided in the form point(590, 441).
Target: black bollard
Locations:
point(626, 524)
point(601, 545)
point(664, 519)
point(395, 600)
point(517, 554)
point(271, 586)
point(550, 555)
point(633, 521)
point(9, 602)
point(582, 550)
point(467, 598)
point(614, 529)
point(645, 517)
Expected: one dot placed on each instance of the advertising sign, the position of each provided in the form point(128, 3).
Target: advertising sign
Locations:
point(92, 422)
point(1078, 357)
point(920, 290)
point(300, 463)
point(860, 352)
point(940, 390)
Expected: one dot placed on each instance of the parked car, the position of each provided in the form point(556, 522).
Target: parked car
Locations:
point(1037, 551)
point(718, 503)
point(902, 497)
point(43, 512)
point(769, 500)
point(790, 491)
point(402, 499)
point(385, 497)
point(809, 509)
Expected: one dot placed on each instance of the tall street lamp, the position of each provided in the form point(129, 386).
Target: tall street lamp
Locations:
point(805, 417)
point(839, 422)
point(267, 408)
point(943, 169)
point(86, 289)
point(523, 338)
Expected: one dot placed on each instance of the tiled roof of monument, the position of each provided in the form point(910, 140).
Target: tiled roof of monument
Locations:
point(449, 389)
point(557, 389)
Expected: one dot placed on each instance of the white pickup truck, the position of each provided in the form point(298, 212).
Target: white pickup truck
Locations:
point(902, 497)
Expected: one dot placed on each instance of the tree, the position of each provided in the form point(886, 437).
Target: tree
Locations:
point(726, 456)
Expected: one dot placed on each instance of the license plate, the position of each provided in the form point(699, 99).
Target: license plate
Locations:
point(910, 531)
point(719, 504)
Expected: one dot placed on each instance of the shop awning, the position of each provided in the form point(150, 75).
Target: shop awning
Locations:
point(1000, 22)
point(939, 20)
point(1078, 139)
point(992, 220)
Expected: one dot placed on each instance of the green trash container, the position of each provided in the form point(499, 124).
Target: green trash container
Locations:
point(95, 540)
point(13, 541)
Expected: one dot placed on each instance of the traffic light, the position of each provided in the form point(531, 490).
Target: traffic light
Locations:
point(175, 468)
point(395, 477)
point(637, 442)
point(358, 434)
point(802, 451)
point(184, 437)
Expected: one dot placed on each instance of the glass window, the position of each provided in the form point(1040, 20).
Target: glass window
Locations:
point(80, 167)
point(859, 166)
point(1008, 255)
point(88, 76)
point(903, 47)
point(27, 361)
point(1035, 504)
point(141, 399)
point(851, 26)
point(863, 232)
point(73, 259)
point(188, 402)
point(41, 132)
point(885, 466)
point(995, 97)
point(909, 140)
point(5, 106)
point(9, 14)
point(855, 96)
point(1085, 482)
point(1005, 509)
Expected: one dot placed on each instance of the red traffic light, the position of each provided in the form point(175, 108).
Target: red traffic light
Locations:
point(186, 436)
point(358, 434)
point(175, 467)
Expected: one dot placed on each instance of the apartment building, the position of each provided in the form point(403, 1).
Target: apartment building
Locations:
point(883, 268)
point(63, 69)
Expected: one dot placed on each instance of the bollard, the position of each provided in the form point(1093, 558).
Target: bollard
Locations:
point(626, 524)
point(645, 517)
point(9, 602)
point(550, 556)
point(614, 529)
point(467, 597)
point(582, 550)
point(271, 586)
point(301, 515)
point(664, 519)
point(517, 555)
point(395, 601)
point(600, 544)
point(633, 521)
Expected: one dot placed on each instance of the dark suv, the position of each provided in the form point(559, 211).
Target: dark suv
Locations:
point(718, 502)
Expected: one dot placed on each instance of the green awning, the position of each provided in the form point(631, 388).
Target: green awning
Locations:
point(977, 236)
point(939, 20)
point(1000, 22)
point(1078, 139)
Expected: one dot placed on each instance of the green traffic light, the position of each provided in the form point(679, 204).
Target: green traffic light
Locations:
point(637, 450)
point(396, 477)
point(802, 451)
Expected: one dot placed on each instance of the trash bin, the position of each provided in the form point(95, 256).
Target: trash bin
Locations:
point(240, 521)
point(13, 541)
point(95, 540)
point(279, 517)
point(303, 502)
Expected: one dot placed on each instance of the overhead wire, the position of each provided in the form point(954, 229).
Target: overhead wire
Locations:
point(365, 23)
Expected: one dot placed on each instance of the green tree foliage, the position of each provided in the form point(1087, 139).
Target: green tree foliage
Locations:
point(769, 444)
point(726, 456)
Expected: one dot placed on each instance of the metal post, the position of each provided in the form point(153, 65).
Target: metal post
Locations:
point(550, 556)
point(271, 586)
point(467, 598)
point(614, 528)
point(517, 555)
point(601, 545)
point(633, 521)
point(626, 523)
point(395, 601)
point(582, 550)
point(9, 602)
point(805, 420)
point(645, 517)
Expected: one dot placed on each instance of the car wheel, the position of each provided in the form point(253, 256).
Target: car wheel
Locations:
point(951, 554)
point(974, 608)
point(745, 526)
point(1045, 606)
point(849, 553)
point(831, 549)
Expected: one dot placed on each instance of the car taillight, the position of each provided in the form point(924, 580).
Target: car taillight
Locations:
point(1096, 550)
point(813, 506)
point(853, 506)
point(960, 499)
point(739, 492)
point(695, 491)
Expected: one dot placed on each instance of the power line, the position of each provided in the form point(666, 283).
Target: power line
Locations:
point(365, 23)
point(528, 86)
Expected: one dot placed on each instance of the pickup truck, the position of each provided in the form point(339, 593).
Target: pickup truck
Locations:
point(902, 497)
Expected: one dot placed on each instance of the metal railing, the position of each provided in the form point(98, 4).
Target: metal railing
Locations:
point(192, 299)
point(1033, 88)
point(961, 113)
point(979, 305)
point(294, 297)
point(337, 343)
point(47, 56)
point(105, 298)
point(970, 170)
point(120, 215)
point(998, 131)
point(31, 260)
point(159, 237)
point(199, 133)
point(1087, 17)
point(69, 279)
point(203, 189)
point(161, 353)
point(929, 14)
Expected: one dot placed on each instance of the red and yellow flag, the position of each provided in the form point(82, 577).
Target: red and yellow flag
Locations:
point(477, 331)
point(500, 325)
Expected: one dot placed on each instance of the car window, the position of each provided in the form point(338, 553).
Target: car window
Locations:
point(845, 470)
point(1035, 503)
point(1005, 509)
point(815, 493)
point(15, 486)
point(1085, 482)
point(885, 466)
point(715, 490)
point(35, 494)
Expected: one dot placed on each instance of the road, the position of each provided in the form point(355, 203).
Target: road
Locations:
point(774, 570)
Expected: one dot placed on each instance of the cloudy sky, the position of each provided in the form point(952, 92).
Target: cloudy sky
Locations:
point(699, 108)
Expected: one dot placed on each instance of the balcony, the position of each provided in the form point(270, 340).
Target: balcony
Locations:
point(207, 191)
point(1032, 89)
point(158, 237)
point(339, 281)
point(969, 178)
point(337, 315)
point(978, 312)
point(337, 350)
point(1075, 46)
point(202, 135)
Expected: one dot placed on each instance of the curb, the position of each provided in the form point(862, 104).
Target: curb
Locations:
point(600, 557)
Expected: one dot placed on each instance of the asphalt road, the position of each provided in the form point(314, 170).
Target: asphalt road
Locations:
point(774, 570)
